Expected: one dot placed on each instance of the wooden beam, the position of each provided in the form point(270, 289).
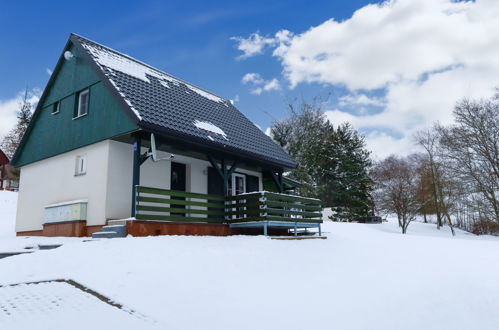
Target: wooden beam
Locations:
point(215, 166)
point(225, 178)
point(277, 180)
point(136, 172)
point(232, 168)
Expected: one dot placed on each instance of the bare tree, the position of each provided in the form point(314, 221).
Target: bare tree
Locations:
point(472, 151)
point(397, 189)
point(12, 140)
point(429, 141)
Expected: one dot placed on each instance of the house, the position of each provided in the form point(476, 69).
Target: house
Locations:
point(113, 138)
point(8, 177)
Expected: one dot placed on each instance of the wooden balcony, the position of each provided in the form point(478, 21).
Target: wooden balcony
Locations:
point(251, 210)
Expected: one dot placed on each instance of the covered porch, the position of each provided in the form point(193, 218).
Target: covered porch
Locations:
point(197, 190)
point(259, 212)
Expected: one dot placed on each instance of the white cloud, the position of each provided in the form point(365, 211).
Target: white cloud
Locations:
point(252, 78)
point(9, 109)
point(253, 45)
point(260, 85)
point(234, 100)
point(360, 99)
point(422, 55)
point(49, 72)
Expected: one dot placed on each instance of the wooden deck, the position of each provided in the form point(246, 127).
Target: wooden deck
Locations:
point(258, 210)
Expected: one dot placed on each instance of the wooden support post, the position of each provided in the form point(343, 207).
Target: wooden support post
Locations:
point(136, 172)
point(278, 180)
point(225, 178)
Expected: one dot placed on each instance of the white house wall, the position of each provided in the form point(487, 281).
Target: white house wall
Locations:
point(53, 180)
point(107, 184)
point(152, 174)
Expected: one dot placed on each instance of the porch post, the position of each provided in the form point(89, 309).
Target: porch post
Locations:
point(278, 180)
point(136, 171)
point(225, 178)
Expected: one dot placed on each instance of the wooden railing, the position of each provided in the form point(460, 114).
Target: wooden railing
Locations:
point(172, 205)
point(268, 206)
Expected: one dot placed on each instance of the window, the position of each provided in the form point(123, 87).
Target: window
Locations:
point(56, 107)
point(237, 184)
point(81, 165)
point(82, 103)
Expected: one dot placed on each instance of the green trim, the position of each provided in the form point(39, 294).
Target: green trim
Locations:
point(292, 212)
point(177, 210)
point(305, 220)
point(179, 202)
point(177, 193)
point(296, 206)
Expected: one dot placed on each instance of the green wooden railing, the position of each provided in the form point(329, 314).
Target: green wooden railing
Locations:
point(172, 205)
point(268, 206)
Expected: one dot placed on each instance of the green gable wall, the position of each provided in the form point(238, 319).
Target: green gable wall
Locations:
point(53, 134)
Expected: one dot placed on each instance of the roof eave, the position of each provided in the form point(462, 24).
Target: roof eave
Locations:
point(213, 145)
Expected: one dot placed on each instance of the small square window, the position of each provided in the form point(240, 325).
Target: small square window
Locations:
point(56, 107)
point(82, 103)
point(81, 165)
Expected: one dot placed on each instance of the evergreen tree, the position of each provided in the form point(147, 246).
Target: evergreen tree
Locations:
point(12, 140)
point(332, 162)
point(350, 162)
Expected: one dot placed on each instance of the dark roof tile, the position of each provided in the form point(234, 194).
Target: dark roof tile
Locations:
point(162, 100)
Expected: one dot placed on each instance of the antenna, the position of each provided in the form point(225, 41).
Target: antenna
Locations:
point(153, 151)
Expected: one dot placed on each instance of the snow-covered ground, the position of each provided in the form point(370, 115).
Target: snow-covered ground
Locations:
point(8, 203)
point(361, 277)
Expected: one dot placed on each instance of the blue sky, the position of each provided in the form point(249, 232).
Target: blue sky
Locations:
point(189, 39)
point(389, 69)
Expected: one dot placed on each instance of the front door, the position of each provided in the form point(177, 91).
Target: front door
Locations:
point(178, 182)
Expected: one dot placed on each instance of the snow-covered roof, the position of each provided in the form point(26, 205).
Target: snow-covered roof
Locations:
point(179, 108)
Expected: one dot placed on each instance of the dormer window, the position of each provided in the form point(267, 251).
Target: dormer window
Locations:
point(82, 103)
point(56, 107)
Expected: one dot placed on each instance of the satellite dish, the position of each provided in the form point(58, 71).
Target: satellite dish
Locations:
point(153, 151)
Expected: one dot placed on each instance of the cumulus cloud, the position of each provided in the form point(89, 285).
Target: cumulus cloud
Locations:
point(253, 45)
point(9, 109)
point(421, 56)
point(49, 72)
point(260, 85)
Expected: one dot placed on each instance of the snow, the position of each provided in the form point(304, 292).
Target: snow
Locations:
point(125, 64)
point(207, 126)
point(361, 277)
point(56, 305)
point(78, 201)
point(8, 203)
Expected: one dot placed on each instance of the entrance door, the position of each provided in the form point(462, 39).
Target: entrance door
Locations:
point(178, 182)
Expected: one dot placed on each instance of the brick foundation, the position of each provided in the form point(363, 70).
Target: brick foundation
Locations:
point(66, 229)
point(154, 228)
